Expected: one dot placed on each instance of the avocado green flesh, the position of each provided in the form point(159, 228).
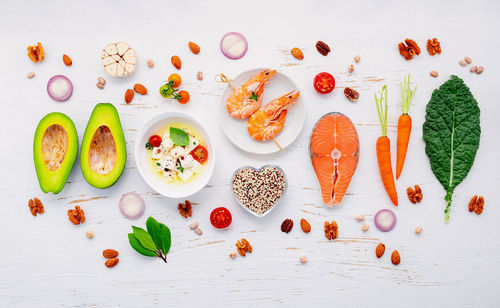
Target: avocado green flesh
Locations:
point(103, 152)
point(55, 146)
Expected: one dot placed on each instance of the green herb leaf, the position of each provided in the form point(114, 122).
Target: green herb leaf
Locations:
point(160, 234)
point(179, 137)
point(451, 133)
point(144, 238)
point(134, 242)
point(149, 146)
point(254, 96)
point(181, 169)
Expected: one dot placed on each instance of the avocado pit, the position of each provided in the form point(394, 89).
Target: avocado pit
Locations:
point(102, 151)
point(54, 146)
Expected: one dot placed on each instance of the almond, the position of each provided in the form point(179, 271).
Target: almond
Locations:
point(129, 95)
point(176, 61)
point(297, 53)
point(395, 258)
point(139, 88)
point(379, 251)
point(194, 48)
point(111, 262)
point(67, 60)
point(305, 225)
point(110, 253)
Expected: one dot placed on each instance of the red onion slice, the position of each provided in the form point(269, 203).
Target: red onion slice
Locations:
point(385, 220)
point(132, 205)
point(234, 45)
point(59, 88)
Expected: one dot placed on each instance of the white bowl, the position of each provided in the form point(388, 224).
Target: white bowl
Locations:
point(236, 129)
point(258, 169)
point(152, 179)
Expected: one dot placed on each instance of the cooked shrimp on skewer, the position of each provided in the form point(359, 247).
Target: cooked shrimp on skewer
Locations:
point(245, 100)
point(268, 121)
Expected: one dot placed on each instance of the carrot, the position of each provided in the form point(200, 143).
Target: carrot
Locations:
point(384, 149)
point(404, 126)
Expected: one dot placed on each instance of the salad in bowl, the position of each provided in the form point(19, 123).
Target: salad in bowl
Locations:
point(174, 155)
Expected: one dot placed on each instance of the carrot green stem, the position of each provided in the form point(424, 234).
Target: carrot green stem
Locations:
point(382, 109)
point(406, 94)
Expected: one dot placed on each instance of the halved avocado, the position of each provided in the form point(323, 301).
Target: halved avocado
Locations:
point(54, 151)
point(103, 153)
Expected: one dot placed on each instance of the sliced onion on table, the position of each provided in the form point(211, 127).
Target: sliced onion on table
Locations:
point(132, 205)
point(385, 220)
point(234, 45)
point(60, 88)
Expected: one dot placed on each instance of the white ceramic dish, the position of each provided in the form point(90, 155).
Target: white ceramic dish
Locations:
point(277, 202)
point(142, 158)
point(236, 129)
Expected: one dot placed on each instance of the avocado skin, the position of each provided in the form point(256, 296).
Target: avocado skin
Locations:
point(103, 114)
point(54, 181)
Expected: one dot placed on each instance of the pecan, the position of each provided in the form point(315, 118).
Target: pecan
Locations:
point(243, 246)
point(395, 258)
point(36, 206)
point(331, 230)
point(110, 253)
point(322, 48)
point(36, 53)
point(476, 204)
point(287, 225)
point(433, 46)
point(409, 50)
point(305, 225)
point(351, 94)
point(185, 209)
point(415, 195)
point(379, 251)
point(76, 216)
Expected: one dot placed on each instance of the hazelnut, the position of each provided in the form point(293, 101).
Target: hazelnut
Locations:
point(418, 230)
point(303, 259)
point(357, 58)
point(364, 227)
point(350, 68)
point(150, 63)
point(199, 75)
point(232, 254)
point(90, 234)
point(360, 217)
point(30, 75)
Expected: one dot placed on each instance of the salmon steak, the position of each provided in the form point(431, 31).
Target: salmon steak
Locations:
point(334, 153)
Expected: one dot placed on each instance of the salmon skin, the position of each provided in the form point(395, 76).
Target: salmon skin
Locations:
point(334, 153)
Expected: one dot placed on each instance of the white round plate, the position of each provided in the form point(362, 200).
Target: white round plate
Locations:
point(236, 129)
point(141, 158)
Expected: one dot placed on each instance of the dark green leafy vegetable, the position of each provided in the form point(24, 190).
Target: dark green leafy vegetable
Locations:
point(451, 133)
point(154, 242)
point(179, 137)
point(138, 247)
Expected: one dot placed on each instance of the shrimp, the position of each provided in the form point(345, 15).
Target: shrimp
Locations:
point(268, 121)
point(245, 100)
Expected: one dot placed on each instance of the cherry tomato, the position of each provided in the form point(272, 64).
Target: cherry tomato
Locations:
point(221, 218)
point(176, 80)
point(324, 83)
point(200, 154)
point(182, 97)
point(155, 140)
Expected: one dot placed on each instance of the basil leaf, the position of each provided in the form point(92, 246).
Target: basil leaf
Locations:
point(134, 242)
point(144, 238)
point(160, 234)
point(179, 137)
point(166, 238)
point(451, 133)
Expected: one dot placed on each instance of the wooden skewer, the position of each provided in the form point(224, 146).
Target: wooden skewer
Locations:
point(279, 146)
point(223, 79)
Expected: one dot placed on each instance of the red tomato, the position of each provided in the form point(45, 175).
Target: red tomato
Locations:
point(221, 218)
point(324, 83)
point(183, 97)
point(200, 153)
point(155, 140)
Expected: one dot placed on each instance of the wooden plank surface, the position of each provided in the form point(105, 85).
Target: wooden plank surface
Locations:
point(47, 262)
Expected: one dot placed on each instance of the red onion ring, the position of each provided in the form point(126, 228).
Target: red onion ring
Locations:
point(385, 220)
point(226, 45)
point(132, 205)
point(59, 88)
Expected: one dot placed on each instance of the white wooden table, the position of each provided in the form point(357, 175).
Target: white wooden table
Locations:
point(47, 262)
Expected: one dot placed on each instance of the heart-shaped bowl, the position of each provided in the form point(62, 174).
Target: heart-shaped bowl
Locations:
point(259, 170)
